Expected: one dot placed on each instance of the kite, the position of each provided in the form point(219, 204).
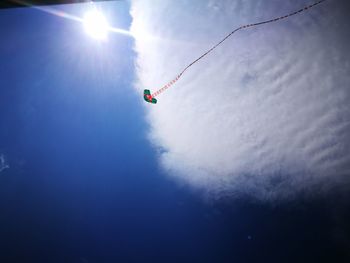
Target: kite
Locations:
point(151, 97)
point(148, 97)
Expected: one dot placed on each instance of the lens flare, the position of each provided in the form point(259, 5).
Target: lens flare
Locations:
point(96, 25)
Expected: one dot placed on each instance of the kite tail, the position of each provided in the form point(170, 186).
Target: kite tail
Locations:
point(168, 85)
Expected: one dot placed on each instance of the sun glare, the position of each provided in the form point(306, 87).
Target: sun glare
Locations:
point(96, 25)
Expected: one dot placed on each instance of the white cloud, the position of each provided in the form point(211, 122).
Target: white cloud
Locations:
point(3, 163)
point(266, 113)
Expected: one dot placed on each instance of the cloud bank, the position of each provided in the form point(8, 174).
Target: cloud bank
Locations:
point(267, 113)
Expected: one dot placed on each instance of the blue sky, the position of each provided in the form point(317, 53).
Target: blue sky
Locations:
point(87, 181)
point(84, 184)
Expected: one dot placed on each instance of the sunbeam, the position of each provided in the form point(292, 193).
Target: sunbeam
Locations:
point(90, 16)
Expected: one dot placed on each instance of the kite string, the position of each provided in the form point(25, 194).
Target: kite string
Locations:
point(172, 82)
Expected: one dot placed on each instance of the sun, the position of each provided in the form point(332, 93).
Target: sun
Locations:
point(96, 25)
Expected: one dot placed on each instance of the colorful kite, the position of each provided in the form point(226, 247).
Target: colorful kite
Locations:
point(148, 97)
point(151, 97)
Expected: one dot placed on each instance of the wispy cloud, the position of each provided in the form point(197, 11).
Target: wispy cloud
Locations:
point(3, 163)
point(267, 113)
